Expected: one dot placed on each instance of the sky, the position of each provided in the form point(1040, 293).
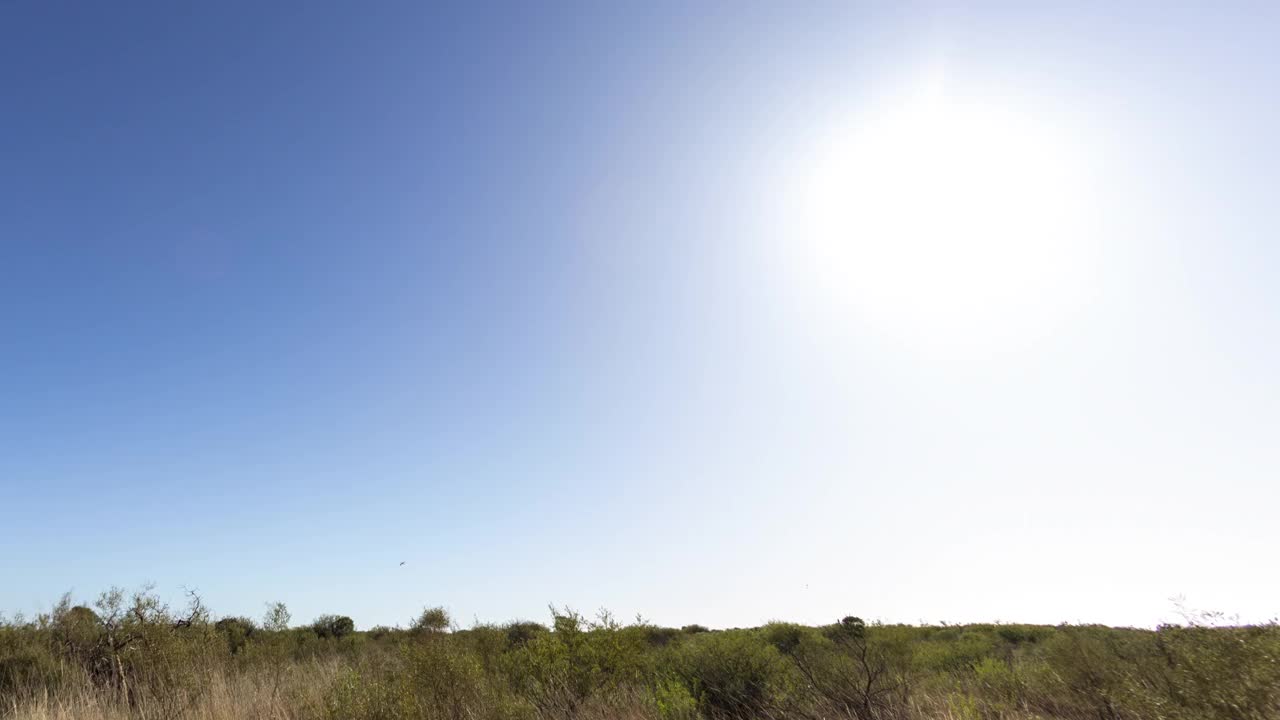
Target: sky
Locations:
point(534, 299)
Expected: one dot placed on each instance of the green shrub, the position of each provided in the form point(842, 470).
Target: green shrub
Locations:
point(1023, 634)
point(849, 669)
point(433, 679)
point(997, 686)
point(519, 633)
point(1087, 673)
point(732, 675)
point(24, 668)
point(579, 660)
point(431, 620)
point(131, 655)
point(673, 701)
point(660, 636)
point(236, 631)
point(1230, 673)
point(333, 626)
point(358, 697)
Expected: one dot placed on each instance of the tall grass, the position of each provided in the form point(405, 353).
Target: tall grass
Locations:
point(132, 657)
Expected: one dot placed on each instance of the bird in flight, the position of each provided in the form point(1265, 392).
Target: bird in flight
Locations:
point(402, 563)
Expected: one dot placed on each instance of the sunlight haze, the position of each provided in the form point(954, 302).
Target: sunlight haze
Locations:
point(717, 313)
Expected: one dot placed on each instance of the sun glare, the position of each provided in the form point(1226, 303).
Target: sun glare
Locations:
point(940, 215)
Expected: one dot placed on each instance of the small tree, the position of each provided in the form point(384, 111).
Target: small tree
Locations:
point(732, 676)
point(852, 673)
point(430, 621)
point(519, 633)
point(276, 618)
point(237, 631)
point(333, 626)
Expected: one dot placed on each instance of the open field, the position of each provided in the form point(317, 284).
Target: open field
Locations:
point(131, 656)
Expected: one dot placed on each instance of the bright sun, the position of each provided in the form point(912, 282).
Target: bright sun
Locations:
point(937, 215)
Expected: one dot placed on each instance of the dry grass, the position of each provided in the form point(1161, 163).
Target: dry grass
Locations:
point(253, 698)
point(153, 664)
point(294, 692)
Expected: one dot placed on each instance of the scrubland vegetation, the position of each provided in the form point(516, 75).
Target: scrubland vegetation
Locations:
point(131, 656)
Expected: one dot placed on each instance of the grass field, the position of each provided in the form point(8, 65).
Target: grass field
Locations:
point(131, 656)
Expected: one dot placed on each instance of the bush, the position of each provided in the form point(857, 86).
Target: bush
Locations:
point(431, 680)
point(1088, 673)
point(519, 633)
point(333, 626)
point(1220, 673)
point(431, 620)
point(358, 697)
point(579, 662)
point(236, 631)
point(24, 668)
point(732, 675)
point(849, 669)
point(660, 636)
point(998, 687)
point(132, 656)
point(673, 701)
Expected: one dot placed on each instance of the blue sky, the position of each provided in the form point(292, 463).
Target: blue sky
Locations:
point(291, 294)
